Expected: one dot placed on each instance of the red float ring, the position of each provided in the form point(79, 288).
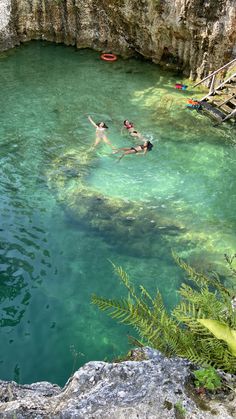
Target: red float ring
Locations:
point(109, 57)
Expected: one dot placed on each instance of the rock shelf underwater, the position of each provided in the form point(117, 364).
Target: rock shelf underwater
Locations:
point(122, 223)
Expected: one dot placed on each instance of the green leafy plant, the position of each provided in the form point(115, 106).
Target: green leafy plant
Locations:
point(231, 261)
point(207, 378)
point(179, 408)
point(221, 331)
point(186, 331)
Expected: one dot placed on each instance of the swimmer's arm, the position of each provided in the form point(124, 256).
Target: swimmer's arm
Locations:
point(92, 122)
point(142, 138)
point(134, 134)
point(138, 135)
point(143, 153)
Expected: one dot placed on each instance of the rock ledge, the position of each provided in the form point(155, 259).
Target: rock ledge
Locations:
point(152, 388)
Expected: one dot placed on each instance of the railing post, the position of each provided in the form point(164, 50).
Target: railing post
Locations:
point(212, 85)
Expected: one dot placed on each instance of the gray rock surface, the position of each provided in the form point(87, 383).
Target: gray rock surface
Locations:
point(8, 37)
point(148, 389)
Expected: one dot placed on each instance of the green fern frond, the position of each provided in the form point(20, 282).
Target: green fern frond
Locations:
point(145, 293)
point(187, 311)
point(120, 310)
point(182, 332)
point(123, 276)
point(206, 302)
point(195, 357)
point(158, 305)
point(200, 279)
point(127, 283)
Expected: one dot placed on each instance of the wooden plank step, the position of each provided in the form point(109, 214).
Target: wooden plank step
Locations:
point(232, 115)
point(230, 104)
point(229, 85)
point(219, 99)
point(226, 108)
point(218, 102)
point(212, 111)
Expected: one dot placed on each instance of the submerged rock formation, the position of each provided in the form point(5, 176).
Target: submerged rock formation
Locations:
point(155, 387)
point(194, 36)
point(131, 227)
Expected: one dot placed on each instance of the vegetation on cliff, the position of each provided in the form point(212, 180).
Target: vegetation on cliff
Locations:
point(201, 328)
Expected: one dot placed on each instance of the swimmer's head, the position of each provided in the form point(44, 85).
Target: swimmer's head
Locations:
point(101, 124)
point(148, 145)
point(127, 122)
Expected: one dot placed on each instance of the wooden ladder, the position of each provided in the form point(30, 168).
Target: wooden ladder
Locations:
point(220, 102)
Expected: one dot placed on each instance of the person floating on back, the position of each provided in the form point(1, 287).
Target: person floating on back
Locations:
point(142, 149)
point(100, 132)
point(132, 131)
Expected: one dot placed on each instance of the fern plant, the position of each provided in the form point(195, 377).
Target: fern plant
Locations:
point(183, 332)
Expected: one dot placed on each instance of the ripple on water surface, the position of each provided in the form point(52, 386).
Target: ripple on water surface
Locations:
point(66, 210)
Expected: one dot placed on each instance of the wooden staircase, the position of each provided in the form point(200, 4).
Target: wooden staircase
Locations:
point(220, 102)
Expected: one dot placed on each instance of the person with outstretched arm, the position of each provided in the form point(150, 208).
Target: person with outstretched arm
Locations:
point(101, 128)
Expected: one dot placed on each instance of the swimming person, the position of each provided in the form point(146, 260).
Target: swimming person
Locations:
point(142, 149)
point(100, 132)
point(132, 131)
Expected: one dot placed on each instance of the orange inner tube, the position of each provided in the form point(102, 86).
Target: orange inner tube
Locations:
point(109, 57)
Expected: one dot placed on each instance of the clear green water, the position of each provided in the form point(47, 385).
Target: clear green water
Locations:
point(51, 258)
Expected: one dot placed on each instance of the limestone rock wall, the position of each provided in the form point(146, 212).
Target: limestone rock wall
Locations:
point(8, 36)
point(194, 36)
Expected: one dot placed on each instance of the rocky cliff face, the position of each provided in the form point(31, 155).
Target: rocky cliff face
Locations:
point(8, 36)
point(153, 388)
point(195, 36)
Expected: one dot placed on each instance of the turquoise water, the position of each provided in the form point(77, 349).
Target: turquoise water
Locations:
point(67, 211)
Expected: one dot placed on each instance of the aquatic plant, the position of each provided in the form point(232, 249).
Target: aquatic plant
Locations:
point(191, 330)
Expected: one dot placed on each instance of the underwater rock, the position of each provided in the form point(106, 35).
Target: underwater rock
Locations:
point(67, 166)
point(127, 226)
point(204, 250)
point(114, 221)
point(131, 227)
